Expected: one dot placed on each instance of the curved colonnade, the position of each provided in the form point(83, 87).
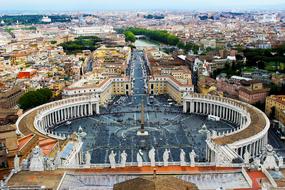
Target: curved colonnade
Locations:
point(45, 117)
point(250, 135)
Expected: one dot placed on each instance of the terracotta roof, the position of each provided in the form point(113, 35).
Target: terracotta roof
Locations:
point(264, 90)
point(22, 141)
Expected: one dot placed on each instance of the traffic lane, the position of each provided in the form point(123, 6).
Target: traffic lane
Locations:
point(275, 140)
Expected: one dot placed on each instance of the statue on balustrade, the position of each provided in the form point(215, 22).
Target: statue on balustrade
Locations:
point(50, 164)
point(151, 155)
point(123, 158)
point(17, 164)
point(270, 160)
point(25, 164)
point(193, 155)
point(280, 161)
point(166, 157)
point(182, 158)
point(112, 159)
point(140, 158)
point(80, 134)
point(246, 157)
point(37, 160)
point(87, 158)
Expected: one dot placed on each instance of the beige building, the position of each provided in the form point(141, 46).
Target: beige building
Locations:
point(104, 88)
point(8, 146)
point(9, 98)
point(111, 61)
point(276, 105)
point(158, 85)
point(169, 75)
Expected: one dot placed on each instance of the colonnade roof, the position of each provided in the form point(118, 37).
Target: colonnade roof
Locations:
point(258, 123)
point(26, 124)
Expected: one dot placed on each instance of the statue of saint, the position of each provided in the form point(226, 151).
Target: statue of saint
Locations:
point(87, 158)
point(192, 158)
point(25, 164)
point(182, 158)
point(112, 159)
point(280, 161)
point(140, 158)
point(123, 158)
point(37, 160)
point(246, 157)
point(17, 163)
point(80, 134)
point(166, 157)
point(270, 161)
point(151, 155)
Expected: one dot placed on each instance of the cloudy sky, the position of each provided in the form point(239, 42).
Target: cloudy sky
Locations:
point(139, 4)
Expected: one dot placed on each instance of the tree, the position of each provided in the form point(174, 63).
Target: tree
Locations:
point(129, 36)
point(32, 99)
point(53, 42)
point(161, 36)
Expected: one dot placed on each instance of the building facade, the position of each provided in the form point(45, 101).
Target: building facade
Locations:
point(275, 107)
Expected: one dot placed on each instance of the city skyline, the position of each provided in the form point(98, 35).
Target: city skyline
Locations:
point(86, 5)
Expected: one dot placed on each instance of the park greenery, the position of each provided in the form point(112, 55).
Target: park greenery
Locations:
point(150, 16)
point(160, 36)
point(81, 43)
point(24, 28)
point(35, 98)
point(129, 36)
point(188, 46)
point(32, 19)
point(271, 60)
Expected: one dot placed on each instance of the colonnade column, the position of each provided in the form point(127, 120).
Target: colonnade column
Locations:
point(184, 106)
point(97, 108)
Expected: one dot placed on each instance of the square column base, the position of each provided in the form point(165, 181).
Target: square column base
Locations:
point(140, 133)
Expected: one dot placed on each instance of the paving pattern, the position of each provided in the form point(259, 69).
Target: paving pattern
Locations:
point(117, 125)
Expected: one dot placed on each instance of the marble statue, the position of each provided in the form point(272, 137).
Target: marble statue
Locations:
point(166, 157)
point(17, 164)
point(140, 158)
point(280, 161)
point(2, 184)
point(80, 134)
point(87, 158)
point(57, 160)
point(25, 164)
point(37, 160)
point(50, 164)
point(270, 161)
point(182, 158)
point(257, 161)
point(192, 155)
point(123, 158)
point(112, 159)
point(246, 157)
point(151, 155)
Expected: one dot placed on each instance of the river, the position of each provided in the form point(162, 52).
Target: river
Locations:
point(144, 44)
